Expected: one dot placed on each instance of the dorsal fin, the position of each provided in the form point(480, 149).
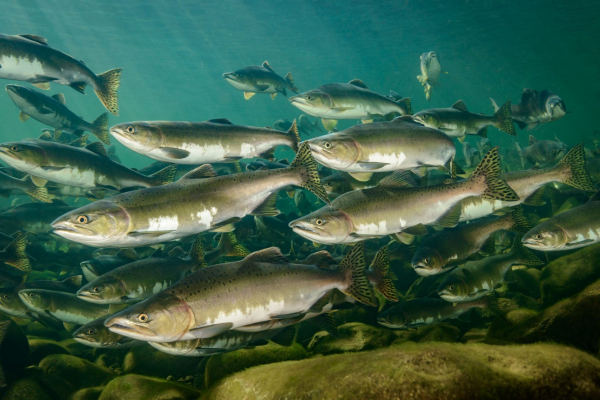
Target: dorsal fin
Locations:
point(270, 255)
point(358, 83)
point(527, 95)
point(267, 66)
point(128, 253)
point(532, 140)
point(203, 171)
point(97, 148)
point(220, 121)
point(398, 179)
point(35, 38)
point(460, 105)
point(60, 98)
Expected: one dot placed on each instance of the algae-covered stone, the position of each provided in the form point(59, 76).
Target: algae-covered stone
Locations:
point(146, 360)
point(221, 365)
point(474, 335)
point(137, 387)
point(432, 371)
point(41, 331)
point(80, 373)
point(26, 389)
point(92, 393)
point(519, 315)
point(569, 274)
point(442, 333)
point(41, 348)
point(526, 281)
point(352, 337)
point(14, 350)
point(76, 348)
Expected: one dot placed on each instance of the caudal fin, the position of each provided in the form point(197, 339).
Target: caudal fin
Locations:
point(228, 246)
point(294, 134)
point(358, 287)
point(106, 89)
point(310, 172)
point(100, 129)
point(491, 307)
point(288, 78)
point(40, 194)
point(165, 175)
point(197, 253)
point(495, 188)
point(74, 281)
point(504, 120)
point(14, 254)
point(518, 221)
point(525, 256)
point(381, 266)
point(405, 105)
point(579, 179)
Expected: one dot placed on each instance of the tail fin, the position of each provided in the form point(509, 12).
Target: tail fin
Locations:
point(359, 287)
point(74, 281)
point(100, 129)
point(491, 306)
point(294, 134)
point(422, 79)
point(165, 175)
point(40, 194)
point(14, 254)
point(405, 105)
point(197, 253)
point(579, 179)
point(288, 78)
point(496, 108)
point(381, 267)
point(229, 246)
point(106, 89)
point(285, 337)
point(495, 188)
point(519, 222)
point(306, 162)
point(326, 322)
point(504, 120)
point(526, 257)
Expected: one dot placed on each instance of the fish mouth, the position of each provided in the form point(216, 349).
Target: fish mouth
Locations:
point(300, 226)
point(298, 100)
point(125, 328)
point(387, 324)
point(12, 89)
point(229, 76)
point(88, 296)
point(9, 153)
point(60, 228)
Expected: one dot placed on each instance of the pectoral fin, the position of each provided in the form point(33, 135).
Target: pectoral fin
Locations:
point(248, 95)
point(361, 176)
point(211, 330)
point(174, 153)
point(42, 85)
point(23, 117)
point(370, 166)
point(329, 124)
point(39, 182)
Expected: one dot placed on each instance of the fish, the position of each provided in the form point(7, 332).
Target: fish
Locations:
point(9, 185)
point(64, 307)
point(52, 111)
point(104, 263)
point(32, 217)
point(252, 293)
point(430, 310)
point(571, 229)
point(397, 207)
point(529, 185)
point(541, 152)
point(15, 255)
point(89, 167)
point(475, 279)
point(263, 165)
point(228, 246)
point(217, 140)
point(537, 108)
point(483, 145)
point(282, 124)
point(260, 79)
point(340, 183)
point(141, 279)
point(430, 72)
point(306, 127)
point(29, 58)
point(383, 147)
point(194, 204)
point(352, 100)
point(443, 250)
point(457, 121)
point(95, 334)
point(469, 153)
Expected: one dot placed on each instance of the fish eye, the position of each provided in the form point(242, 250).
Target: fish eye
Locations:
point(130, 129)
point(96, 289)
point(538, 236)
point(451, 287)
point(426, 261)
point(14, 148)
point(309, 98)
point(83, 219)
point(319, 221)
point(6, 297)
point(327, 145)
point(91, 331)
point(143, 318)
point(32, 295)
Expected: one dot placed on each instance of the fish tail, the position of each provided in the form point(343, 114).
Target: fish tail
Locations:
point(165, 175)
point(579, 179)
point(74, 281)
point(504, 120)
point(197, 253)
point(106, 89)
point(381, 267)
point(495, 188)
point(304, 161)
point(525, 256)
point(80, 141)
point(294, 134)
point(40, 194)
point(405, 105)
point(422, 79)
point(288, 78)
point(15, 254)
point(100, 129)
point(358, 287)
point(229, 246)
point(519, 223)
point(491, 307)
point(428, 89)
point(285, 337)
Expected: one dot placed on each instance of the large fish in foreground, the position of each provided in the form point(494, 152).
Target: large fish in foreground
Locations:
point(351, 100)
point(260, 79)
point(572, 229)
point(54, 112)
point(430, 72)
point(29, 58)
point(537, 108)
point(396, 206)
point(213, 141)
point(194, 204)
point(262, 288)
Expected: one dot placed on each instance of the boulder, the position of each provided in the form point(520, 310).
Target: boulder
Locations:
point(26, 389)
point(526, 281)
point(146, 360)
point(92, 393)
point(352, 337)
point(80, 373)
point(38, 330)
point(41, 348)
point(14, 349)
point(137, 387)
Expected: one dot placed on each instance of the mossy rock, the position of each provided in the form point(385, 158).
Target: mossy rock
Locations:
point(519, 315)
point(526, 281)
point(76, 348)
point(137, 387)
point(14, 349)
point(222, 365)
point(146, 360)
point(80, 373)
point(351, 337)
point(38, 330)
point(42, 348)
point(92, 393)
point(432, 371)
point(441, 333)
point(26, 389)
point(474, 335)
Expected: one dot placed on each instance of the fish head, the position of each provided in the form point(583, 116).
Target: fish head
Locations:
point(453, 289)
point(554, 150)
point(427, 262)
point(164, 320)
point(241, 79)
point(105, 290)
point(546, 236)
point(90, 268)
point(10, 303)
point(97, 224)
point(336, 183)
point(325, 225)
point(393, 318)
point(22, 155)
point(428, 118)
point(34, 299)
point(92, 334)
point(23, 97)
point(139, 136)
point(334, 151)
point(555, 107)
point(314, 102)
point(428, 57)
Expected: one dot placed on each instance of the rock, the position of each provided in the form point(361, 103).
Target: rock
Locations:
point(14, 349)
point(426, 372)
point(146, 360)
point(352, 337)
point(92, 393)
point(474, 335)
point(526, 281)
point(570, 274)
point(80, 373)
point(222, 365)
point(41, 348)
point(26, 389)
point(442, 333)
point(41, 331)
point(137, 387)
point(76, 348)
point(519, 315)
